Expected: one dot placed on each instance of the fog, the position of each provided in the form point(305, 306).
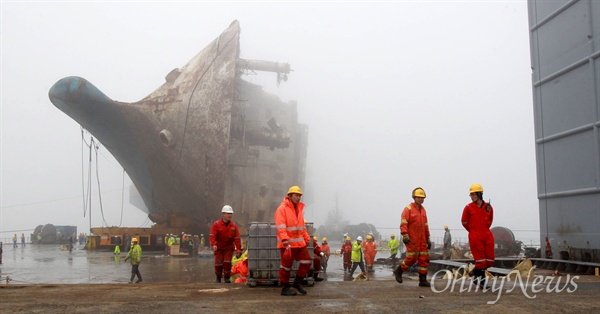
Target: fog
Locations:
point(396, 95)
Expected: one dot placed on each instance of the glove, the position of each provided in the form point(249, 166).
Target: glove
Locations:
point(285, 243)
point(405, 238)
point(214, 248)
point(238, 253)
point(322, 254)
point(428, 244)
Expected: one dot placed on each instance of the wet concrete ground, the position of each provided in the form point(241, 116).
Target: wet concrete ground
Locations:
point(48, 264)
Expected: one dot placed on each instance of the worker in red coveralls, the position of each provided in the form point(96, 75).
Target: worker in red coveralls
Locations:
point(224, 239)
point(346, 252)
point(292, 240)
point(370, 250)
point(327, 252)
point(317, 259)
point(477, 218)
point(415, 235)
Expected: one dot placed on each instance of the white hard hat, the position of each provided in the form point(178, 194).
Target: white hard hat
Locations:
point(227, 209)
point(359, 238)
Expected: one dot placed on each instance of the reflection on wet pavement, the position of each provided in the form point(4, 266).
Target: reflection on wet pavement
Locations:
point(36, 264)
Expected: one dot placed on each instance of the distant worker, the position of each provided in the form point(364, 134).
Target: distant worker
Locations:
point(477, 218)
point(202, 241)
point(318, 253)
point(190, 245)
point(0, 253)
point(327, 252)
point(415, 235)
point(135, 254)
point(447, 242)
point(370, 249)
point(117, 245)
point(393, 245)
point(346, 253)
point(358, 257)
point(292, 240)
point(39, 238)
point(196, 243)
point(225, 238)
point(22, 240)
point(127, 242)
point(170, 243)
point(15, 240)
point(166, 243)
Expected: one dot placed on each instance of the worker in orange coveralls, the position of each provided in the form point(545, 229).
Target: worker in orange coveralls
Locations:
point(346, 252)
point(292, 240)
point(224, 239)
point(370, 250)
point(477, 218)
point(317, 259)
point(415, 235)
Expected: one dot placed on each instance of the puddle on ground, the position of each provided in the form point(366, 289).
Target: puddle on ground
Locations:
point(48, 264)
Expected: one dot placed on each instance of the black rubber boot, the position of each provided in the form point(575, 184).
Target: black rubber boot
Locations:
point(218, 279)
point(298, 285)
point(316, 277)
point(423, 281)
point(227, 280)
point(398, 274)
point(287, 290)
point(482, 279)
point(477, 276)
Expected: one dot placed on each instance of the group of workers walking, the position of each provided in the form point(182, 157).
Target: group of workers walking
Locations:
point(293, 240)
point(477, 219)
point(358, 254)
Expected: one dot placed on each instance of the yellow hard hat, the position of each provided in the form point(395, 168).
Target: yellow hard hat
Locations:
point(294, 190)
point(445, 227)
point(418, 192)
point(348, 239)
point(392, 235)
point(476, 188)
point(134, 240)
point(315, 238)
point(324, 240)
point(369, 236)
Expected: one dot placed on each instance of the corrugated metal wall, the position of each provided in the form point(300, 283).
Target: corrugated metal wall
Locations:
point(565, 58)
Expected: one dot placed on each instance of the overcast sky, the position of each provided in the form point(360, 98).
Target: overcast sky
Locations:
point(396, 95)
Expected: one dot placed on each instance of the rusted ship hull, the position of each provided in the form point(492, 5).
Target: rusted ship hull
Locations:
point(203, 139)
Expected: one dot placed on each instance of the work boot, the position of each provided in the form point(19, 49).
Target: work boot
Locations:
point(298, 285)
point(227, 280)
point(287, 290)
point(477, 276)
point(482, 279)
point(316, 277)
point(139, 280)
point(218, 279)
point(423, 281)
point(132, 277)
point(398, 274)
